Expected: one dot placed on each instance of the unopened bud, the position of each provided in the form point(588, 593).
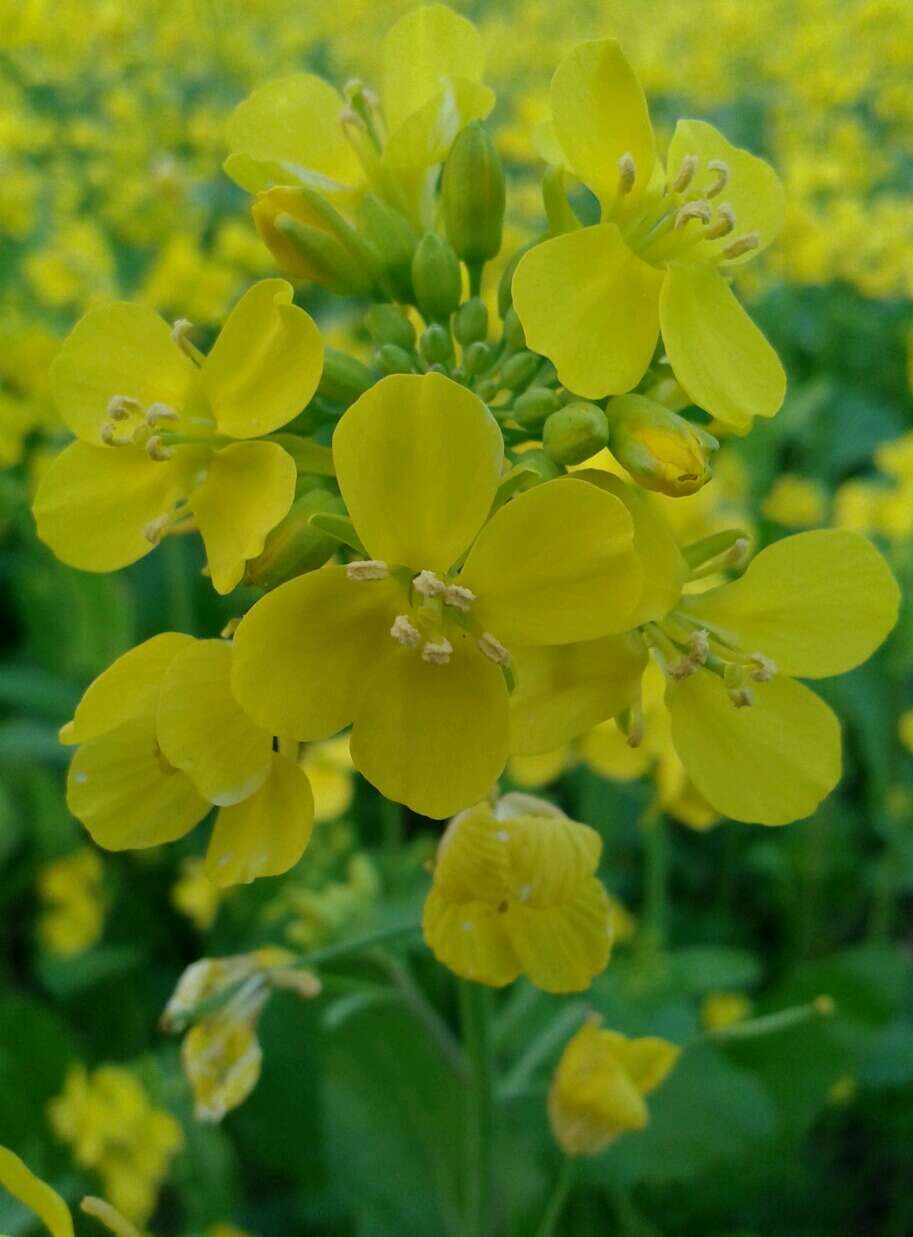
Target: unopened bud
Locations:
point(575, 432)
point(436, 346)
point(436, 278)
point(394, 360)
point(387, 324)
point(538, 462)
point(470, 322)
point(472, 195)
point(535, 406)
point(661, 450)
point(311, 240)
point(344, 377)
point(393, 239)
point(519, 370)
point(513, 329)
point(505, 284)
point(477, 358)
point(295, 546)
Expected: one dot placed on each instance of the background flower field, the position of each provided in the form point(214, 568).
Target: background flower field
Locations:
point(112, 137)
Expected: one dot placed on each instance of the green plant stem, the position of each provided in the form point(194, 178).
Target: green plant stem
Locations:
point(178, 583)
point(558, 1197)
point(423, 1011)
point(557, 1031)
point(768, 1024)
point(656, 878)
point(478, 1134)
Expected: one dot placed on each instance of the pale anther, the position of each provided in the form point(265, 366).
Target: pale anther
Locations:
point(744, 244)
point(437, 652)
point(120, 407)
point(737, 552)
point(493, 649)
point(693, 210)
point(685, 174)
point(722, 177)
point(157, 451)
point(458, 596)
point(154, 529)
point(683, 669)
point(109, 436)
point(367, 569)
point(765, 667)
point(180, 330)
point(741, 697)
point(699, 646)
point(723, 224)
point(157, 413)
point(405, 632)
point(428, 584)
point(627, 173)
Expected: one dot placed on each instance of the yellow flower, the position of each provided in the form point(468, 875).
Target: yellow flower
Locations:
point(329, 767)
point(410, 646)
point(194, 894)
point(724, 1009)
point(75, 915)
point(156, 435)
point(515, 893)
point(599, 1087)
point(795, 502)
point(162, 740)
point(595, 299)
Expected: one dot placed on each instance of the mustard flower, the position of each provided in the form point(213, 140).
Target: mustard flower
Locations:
point(514, 893)
point(162, 740)
point(161, 440)
point(412, 643)
point(595, 299)
point(74, 917)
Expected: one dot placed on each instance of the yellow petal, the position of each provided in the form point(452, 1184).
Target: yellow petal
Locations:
point(754, 191)
point(418, 460)
point(607, 751)
point(117, 349)
point(590, 305)
point(561, 948)
point(423, 47)
point(125, 792)
point(303, 653)
point(541, 769)
point(37, 1195)
point(425, 137)
point(555, 565)
point(128, 688)
point(471, 863)
point(818, 603)
point(470, 939)
point(646, 1061)
point(433, 737)
point(768, 764)
point(549, 858)
point(248, 488)
point(564, 690)
point(290, 133)
point(203, 730)
point(719, 356)
point(93, 504)
point(266, 363)
point(267, 833)
point(222, 1059)
point(600, 114)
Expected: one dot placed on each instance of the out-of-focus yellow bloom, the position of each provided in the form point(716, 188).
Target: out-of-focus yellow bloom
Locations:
point(514, 892)
point(624, 925)
point(599, 1087)
point(795, 502)
point(37, 1195)
point(330, 769)
point(905, 729)
point(112, 1129)
point(75, 914)
point(407, 645)
point(194, 894)
point(723, 1009)
point(842, 1091)
point(329, 908)
point(161, 441)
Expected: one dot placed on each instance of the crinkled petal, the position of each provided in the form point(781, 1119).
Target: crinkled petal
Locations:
point(117, 349)
point(470, 939)
point(600, 114)
point(222, 1059)
point(303, 653)
point(561, 948)
point(248, 488)
point(265, 834)
point(94, 503)
point(204, 731)
point(590, 305)
point(471, 863)
point(555, 565)
point(128, 688)
point(266, 363)
point(550, 857)
point(126, 794)
point(433, 737)
point(37, 1195)
point(768, 764)
point(817, 603)
point(719, 356)
point(422, 48)
point(418, 460)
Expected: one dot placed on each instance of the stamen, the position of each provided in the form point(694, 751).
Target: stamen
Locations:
point(737, 553)
point(405, 632)
point(685, 174)
point(693, 210)
point(157, 413)
point(724, 224)
point(636, 726)
point(367, 569)
point(683, 669)
point(722, 177)
point(751, 240)
point(121, 406)
point(627, 173)
point(156, 451)
point(741, 697)
point(428, 584)
point(699, 645)
point(493, 649)
point(154, 529)
point(180, 335)
point(109, 436)
point(766, 667)
point(458, 596)
point(437, 652)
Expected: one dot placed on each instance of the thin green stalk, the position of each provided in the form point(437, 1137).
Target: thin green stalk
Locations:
point(555, 1034)
point(656, 879)
point(558, 1197)
point(478, 1134)
point(423, 1011)
point(178, 583)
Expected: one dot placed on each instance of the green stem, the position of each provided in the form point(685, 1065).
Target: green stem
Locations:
point(423, 1011)
point(768, 1024)
point(557, 1031)
point(557, 1199)
point(656, 878)
point(178, 583)
point(478, 1135)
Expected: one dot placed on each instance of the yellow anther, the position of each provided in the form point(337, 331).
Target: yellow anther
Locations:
point(458, 596)
point(121, 406)
point(685, 175)
point(744, 244)
point(428, 584)
point(693, 210)
point(158, 413)
point(493, 649)
point(437, 652)
point(367, 569)
point(405, 632)
point(157, 451)
point(723, 224)
point(627, 173)
point(722, 177)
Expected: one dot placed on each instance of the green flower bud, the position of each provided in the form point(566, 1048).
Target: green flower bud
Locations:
point(470, 322)
point(661, 450)
point(505, 284)
point(472, 195)
point(575, 432)
point(295, 546)
point(539, 462)
point(311, 240)
point(513, 329)
point(392, 359)
point(488, 389)
point(387, 324)
point(436, 278)
point(535, 406)
point(393, 239)
point(344, 378)
point(519, 370)
point(436, 346)
point(477, 358)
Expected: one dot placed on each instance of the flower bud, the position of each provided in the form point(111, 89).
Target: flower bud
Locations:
point(436, 278)
point(534, 406)
point(393, 239)
point(575, 432)
point(295, 546)
point(470, 322)
point(477, 358)
point(539, 462)
point(472, 195)
point(513, 329)
point(436, 346)
point(311, 240)
point(344, 377)
point(519, 370)
point(505, 284)
point(661, 450)
point(392, 359)
point(387, 324)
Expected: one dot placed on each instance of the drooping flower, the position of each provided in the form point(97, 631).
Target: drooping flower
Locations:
point(162, 740)
point(595, 299)
point(161, 440)
point(412, 643)
point(514, 893)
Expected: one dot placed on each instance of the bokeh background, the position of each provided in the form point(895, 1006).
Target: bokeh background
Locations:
point(112, 119)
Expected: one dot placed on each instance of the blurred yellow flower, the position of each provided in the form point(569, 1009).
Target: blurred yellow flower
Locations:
point(795, 502)
point(195, 895)
point(75, 915)
point(723, 1009)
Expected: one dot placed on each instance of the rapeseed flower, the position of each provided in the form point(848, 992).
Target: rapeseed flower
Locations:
point(74, 915)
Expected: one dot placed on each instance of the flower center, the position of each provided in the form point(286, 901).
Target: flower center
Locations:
point(158, 428)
